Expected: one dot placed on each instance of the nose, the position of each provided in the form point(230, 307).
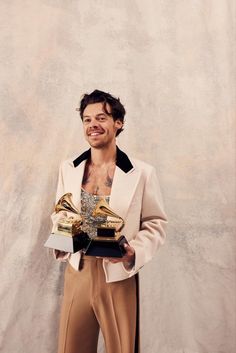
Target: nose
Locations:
point(92, 125)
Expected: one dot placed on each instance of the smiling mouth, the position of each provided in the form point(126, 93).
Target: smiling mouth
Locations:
point(95, 133)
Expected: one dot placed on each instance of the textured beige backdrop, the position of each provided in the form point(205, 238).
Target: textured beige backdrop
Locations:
point(172, 64)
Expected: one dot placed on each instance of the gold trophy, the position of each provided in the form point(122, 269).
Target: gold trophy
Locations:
point(69, 236)
point(108, 242)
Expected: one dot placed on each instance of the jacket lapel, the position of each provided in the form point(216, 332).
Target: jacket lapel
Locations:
point(76, 182)
point(122, 191)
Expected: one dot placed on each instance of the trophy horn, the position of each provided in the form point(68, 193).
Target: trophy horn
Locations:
point(103, 209)
point(65, 204)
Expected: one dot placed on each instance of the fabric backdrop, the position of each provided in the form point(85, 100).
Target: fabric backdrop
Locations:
point(172, 64)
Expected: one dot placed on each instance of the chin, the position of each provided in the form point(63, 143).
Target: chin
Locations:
point(96, 144)
point(100, 145)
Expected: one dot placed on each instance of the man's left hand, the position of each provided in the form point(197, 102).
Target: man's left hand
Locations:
point(128, 258)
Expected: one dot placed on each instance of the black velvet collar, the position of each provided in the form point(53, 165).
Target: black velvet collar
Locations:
point(122, 160)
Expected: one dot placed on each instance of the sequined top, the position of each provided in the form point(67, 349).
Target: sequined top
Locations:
point(88, 203)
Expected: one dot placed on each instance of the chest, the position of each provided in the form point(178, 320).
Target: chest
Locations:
point(98, 181)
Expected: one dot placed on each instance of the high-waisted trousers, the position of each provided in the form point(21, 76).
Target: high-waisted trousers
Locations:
point(89, 303)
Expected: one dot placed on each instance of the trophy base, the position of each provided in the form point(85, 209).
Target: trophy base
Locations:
point(107, 248)
point(90, 247)
point(68, 243)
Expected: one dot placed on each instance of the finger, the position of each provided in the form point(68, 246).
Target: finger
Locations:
point(129, 250)
point(111, 259)
point(114, 261)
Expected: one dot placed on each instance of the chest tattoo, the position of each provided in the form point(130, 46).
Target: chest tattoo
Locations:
point(108, 181)
point(91, 177)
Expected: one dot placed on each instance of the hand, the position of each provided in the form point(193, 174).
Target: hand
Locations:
point(128, 259)
point(60, 255)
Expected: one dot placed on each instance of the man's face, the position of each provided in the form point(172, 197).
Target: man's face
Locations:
point(99, 128)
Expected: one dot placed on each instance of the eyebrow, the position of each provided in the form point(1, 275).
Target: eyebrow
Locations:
point(89, 116)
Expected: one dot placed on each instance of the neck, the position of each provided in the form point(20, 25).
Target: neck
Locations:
point(101, 156)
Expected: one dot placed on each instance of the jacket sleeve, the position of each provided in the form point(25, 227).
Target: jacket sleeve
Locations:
point(152, 224)
point(55, 217)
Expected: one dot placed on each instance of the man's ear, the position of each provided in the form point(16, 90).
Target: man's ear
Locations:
point(119, 124)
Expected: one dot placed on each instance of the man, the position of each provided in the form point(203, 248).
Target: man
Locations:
point(102, 293)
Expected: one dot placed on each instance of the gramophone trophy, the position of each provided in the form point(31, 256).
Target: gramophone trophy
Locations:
point(108, 242)
point(69, 236)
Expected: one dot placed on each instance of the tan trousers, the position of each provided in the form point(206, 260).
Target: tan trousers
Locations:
point(89, 303)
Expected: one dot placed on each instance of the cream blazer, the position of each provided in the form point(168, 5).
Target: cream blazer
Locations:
point(135, 196)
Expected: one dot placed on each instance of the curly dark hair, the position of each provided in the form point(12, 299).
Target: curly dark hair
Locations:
point(117, 109)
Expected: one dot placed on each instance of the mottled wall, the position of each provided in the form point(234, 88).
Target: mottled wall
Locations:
point(172, 64)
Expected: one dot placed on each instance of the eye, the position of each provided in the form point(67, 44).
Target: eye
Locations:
point(101, 118)
point(86, 120)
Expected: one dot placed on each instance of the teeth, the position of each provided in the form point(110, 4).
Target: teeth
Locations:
point(95, 133)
